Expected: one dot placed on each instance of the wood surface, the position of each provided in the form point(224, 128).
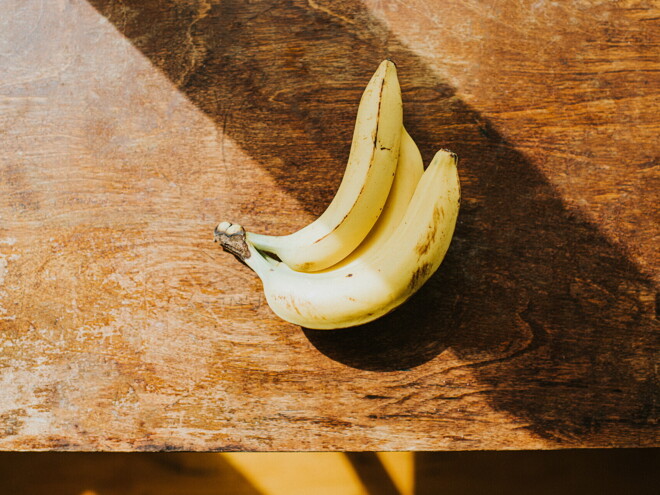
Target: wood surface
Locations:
point(128, 129)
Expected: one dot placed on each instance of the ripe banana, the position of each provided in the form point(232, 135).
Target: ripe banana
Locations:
point(364, 189)
point(409, 170)
point(384, 275)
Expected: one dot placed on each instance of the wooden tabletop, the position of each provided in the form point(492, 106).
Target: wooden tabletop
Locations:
point(129, 128)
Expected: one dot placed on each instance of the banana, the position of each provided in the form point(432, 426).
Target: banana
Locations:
point(409, 170)
point(382, 277)
point(363, 190)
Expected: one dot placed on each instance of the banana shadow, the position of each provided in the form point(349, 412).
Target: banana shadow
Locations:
point(541, 307)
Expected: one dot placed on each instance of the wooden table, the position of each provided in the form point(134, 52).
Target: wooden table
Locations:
point(128, 129)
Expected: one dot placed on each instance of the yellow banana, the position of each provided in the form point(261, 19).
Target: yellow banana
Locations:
point(363, 190)
point(409, 170)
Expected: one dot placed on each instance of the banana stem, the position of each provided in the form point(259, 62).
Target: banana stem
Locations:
point(263, 242)
point(233, 242)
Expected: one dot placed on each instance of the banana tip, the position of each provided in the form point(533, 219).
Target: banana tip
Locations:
point(442, 153)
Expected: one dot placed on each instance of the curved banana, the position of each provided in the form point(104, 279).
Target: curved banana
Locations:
point(363, 189)
point(380, 279)
point(409, 170)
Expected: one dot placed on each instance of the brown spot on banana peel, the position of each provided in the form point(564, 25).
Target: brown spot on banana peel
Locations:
point(419, 276)
point(423, 247)
point(292, 304)
point(305, 267)
point(380, 107)
point(288, 302)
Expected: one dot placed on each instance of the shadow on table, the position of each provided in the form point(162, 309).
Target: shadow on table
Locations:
point(569, 472)
point(551, 316)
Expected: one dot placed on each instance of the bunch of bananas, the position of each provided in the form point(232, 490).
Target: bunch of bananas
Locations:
point(383, 235)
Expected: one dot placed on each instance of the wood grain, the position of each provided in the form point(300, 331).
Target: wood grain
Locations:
point(129, 129)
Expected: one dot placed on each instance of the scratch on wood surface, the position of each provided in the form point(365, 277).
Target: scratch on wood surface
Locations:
point(317, 6)
point(196, 52)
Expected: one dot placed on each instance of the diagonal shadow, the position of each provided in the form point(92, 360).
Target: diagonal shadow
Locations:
point(372, 473)
point(539, 304)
